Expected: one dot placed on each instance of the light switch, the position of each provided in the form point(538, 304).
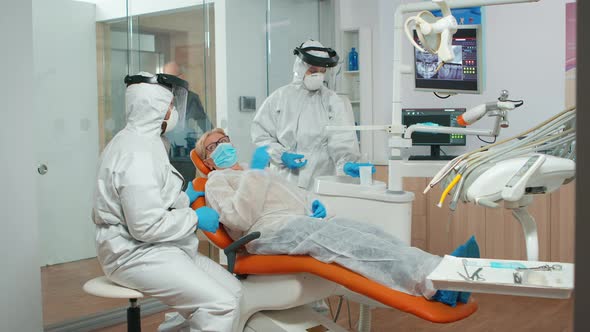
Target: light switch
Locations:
point(247, 104)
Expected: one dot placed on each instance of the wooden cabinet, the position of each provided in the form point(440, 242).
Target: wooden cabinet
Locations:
point(439, 231)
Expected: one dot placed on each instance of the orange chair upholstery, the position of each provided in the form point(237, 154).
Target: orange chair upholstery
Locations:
point(283, 264)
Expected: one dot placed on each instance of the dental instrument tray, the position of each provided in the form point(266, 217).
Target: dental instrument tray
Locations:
point(507, 277)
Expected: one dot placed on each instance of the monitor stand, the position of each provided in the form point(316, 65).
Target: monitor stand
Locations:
point(434, 155)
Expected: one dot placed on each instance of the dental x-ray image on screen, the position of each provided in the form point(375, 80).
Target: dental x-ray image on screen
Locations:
point(427, 63)
point(461, 75)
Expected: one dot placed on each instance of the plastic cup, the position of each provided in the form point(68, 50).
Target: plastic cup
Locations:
point(366, 175)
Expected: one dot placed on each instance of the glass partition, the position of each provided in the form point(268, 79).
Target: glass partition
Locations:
point(173, 40)
point(176, 42)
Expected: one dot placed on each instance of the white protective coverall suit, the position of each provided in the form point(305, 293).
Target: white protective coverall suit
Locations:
point(145, 228)
point(255, 200)
point(294, 119)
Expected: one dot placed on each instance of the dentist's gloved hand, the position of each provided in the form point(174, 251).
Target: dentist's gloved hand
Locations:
point(260, 158)
point(352, 169)
point(293, 160)
point(192, 193)
point(318, 209)
point(208, 219)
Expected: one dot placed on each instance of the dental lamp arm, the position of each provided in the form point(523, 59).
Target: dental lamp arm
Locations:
point(418, 6)
point(472, 115)
point(360, 128)
point(445, 130)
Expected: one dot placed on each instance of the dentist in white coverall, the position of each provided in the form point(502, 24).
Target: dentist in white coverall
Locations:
point(145, 228)
point(292, 122)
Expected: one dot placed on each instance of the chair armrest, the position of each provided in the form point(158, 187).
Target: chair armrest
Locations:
point(231, 250)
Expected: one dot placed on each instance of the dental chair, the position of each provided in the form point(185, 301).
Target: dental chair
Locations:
point(277, 282)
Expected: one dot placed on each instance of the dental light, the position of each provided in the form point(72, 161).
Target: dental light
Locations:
point(435, 33)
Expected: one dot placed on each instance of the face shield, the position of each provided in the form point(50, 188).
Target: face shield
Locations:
point(312, 53)
point(177, 86)
point(306, 54)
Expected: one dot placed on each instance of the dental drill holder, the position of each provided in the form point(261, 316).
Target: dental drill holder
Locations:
point(514, 182)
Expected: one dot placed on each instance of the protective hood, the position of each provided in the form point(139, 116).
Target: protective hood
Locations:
point(300, 67)
point(146, 106)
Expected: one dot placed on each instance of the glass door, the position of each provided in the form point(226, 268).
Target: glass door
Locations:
point(79, 66)
point(67, 149)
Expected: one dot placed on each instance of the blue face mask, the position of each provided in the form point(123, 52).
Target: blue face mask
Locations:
point(225, 155)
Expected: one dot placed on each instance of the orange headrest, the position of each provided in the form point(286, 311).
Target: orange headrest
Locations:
point(219, 238)
point(199, 164)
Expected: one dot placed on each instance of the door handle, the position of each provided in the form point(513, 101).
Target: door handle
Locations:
point(42, 169)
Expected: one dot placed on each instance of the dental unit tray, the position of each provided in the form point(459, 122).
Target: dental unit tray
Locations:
point(507, 277)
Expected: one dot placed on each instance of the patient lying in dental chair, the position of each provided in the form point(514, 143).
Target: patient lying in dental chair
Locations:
point(292, 222)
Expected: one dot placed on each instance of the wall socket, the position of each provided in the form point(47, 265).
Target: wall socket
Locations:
point(247, 104)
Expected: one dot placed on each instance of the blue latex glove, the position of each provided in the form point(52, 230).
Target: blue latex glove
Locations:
point(208, 219)
point(192, 193)
point(318, 209)
point(352, 169)
point(293, 160)
point(260, 158)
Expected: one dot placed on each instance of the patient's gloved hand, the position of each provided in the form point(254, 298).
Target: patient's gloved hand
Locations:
point(192, 193)
point(352, 169)
point(260, 158)
point(318, 209)
point(208, 219)
point(293, 160)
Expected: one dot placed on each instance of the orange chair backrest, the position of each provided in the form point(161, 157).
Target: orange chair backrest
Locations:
point(199, 164)
point(219, 238)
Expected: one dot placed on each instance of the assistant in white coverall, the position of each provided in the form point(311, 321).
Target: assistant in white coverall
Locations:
point(292, 122)
point(145, 228)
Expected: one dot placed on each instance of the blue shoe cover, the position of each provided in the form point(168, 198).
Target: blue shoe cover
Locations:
point(447, 297)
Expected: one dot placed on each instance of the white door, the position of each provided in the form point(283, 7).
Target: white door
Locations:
point(19, 281)
point(66, 127)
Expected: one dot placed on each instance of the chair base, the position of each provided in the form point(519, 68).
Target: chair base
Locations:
point(133, 316)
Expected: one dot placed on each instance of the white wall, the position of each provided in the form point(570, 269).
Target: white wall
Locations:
point(327, 23)
point(514, 39)
point(378, 16)
point(245, 68)
point(291, 23)
point(242, 66)
point(20, 282)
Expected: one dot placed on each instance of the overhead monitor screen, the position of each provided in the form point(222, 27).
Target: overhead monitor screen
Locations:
point(462, 75)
